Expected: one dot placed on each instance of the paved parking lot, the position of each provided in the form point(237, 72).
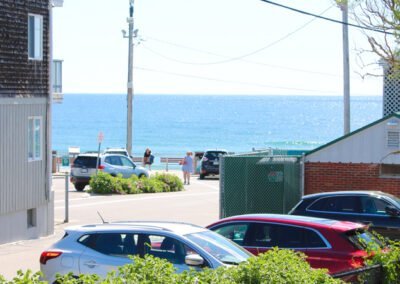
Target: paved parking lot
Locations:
point(198, 204)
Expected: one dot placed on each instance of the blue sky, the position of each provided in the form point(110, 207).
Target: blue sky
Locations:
point(200, 47)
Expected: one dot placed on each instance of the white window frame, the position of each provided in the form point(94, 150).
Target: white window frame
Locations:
point(35, 37)
point(35, 138)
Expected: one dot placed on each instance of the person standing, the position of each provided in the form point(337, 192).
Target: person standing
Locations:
point(147, 158)
point(187, 167)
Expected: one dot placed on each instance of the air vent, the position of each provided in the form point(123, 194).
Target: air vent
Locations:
point(393, 139)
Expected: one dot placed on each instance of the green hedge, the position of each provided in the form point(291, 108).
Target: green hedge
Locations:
point(104, 183)
point(275, 266)
point(389, 258)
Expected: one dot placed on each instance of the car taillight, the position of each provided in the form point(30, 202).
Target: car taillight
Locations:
point(47, 255)
point(358, 258)
point(101, 167)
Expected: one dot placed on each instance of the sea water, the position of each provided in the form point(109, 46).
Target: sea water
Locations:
point(172, 124)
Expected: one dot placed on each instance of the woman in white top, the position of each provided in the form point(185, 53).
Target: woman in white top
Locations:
point(187, 167)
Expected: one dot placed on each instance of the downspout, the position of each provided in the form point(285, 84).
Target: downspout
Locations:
point(302, 173)
point(49, 104)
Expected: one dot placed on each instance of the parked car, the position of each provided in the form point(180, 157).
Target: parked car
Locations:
point(84, 166)
point(97, 249)
point(120, 151)
point(335, 245)
point(209, 164)
point(380, 210)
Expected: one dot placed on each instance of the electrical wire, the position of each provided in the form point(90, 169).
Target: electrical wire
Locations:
point(220, 55)
point(242, 56)
point(230, 81)
point(328, 19)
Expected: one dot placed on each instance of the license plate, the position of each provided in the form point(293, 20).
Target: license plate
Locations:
point(216, 163)
point(84, 170)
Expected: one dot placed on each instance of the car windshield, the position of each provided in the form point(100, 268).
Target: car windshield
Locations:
point(221, 248)
point(362, 239)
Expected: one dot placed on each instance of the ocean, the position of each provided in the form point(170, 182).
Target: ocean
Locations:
point(172, 124)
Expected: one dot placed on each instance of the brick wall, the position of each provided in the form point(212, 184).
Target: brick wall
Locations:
point(18, 75)
point(323, 177)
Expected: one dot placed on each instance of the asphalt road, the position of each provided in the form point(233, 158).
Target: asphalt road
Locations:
point(198, 204)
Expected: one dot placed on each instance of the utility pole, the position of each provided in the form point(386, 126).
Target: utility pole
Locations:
point(346, 68)
point(130, 81)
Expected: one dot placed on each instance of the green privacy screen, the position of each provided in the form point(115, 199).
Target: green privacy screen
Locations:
point(259, 183)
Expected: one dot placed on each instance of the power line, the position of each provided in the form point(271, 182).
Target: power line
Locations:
point(220, 55)
point(328, 19)
point(241, 56)
point(229, 81)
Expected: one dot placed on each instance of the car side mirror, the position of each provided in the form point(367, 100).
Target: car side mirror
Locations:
point(392, 211)
point(194, 260)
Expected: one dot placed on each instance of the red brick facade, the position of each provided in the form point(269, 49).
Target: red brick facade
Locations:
point(323, 177)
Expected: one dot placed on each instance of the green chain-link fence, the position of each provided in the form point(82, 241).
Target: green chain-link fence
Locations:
point(260, 182)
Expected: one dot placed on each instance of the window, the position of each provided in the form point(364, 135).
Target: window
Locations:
point(268, 235)
point(234, 232)
point(390, 170)
point(125, 162)
point(374, 205)
point(343, 204)
point(34, 138)
point(35, 37)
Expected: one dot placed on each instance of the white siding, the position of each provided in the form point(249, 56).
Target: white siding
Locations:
point(22, 183)
point(367, 146)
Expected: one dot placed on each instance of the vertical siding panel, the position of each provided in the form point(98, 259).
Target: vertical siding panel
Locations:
point(22, 183)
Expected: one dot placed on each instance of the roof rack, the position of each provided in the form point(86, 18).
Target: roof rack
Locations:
point(156, 222)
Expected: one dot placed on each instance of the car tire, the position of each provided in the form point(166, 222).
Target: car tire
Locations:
point(202, 176)
point(142, 175)
point(79, 186)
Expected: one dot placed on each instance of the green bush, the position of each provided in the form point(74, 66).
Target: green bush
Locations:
point(388, 257)
point(174, 183)
point(104, 183)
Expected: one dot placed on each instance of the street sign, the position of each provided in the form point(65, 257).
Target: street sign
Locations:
point(100, 137)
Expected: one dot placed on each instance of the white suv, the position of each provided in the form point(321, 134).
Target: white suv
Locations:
point(98, 249)
point(84, 166)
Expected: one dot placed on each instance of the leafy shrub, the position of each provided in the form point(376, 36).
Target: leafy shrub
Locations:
point(174, 183)
point(388, 257)
point(27, 277)
point(150, 185)
point(122, 185)
point(102, 183)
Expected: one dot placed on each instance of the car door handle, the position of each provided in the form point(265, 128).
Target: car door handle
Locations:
point(90, 264)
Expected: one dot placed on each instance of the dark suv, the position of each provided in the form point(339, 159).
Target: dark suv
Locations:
point(380, 210)
point(209, 164)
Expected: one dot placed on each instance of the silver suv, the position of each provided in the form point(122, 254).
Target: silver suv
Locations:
point(84, 167)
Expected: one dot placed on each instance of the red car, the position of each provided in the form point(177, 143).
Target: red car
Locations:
point(330, 244)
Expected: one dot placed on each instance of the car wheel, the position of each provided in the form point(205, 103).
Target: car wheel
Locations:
point(202, 176)
point(79, 186)
point(142, 176)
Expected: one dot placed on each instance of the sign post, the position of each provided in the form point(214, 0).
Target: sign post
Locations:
point(100, 138)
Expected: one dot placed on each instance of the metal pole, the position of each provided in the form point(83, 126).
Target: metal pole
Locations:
point(346, 68)
point(130, 81)
point(66, 220)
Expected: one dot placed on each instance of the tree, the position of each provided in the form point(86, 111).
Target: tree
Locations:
point(383, 16)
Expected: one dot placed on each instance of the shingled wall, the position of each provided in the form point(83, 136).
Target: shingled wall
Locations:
point(19, 76)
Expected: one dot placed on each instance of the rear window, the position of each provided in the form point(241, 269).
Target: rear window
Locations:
point(362, 239)
point(213, 155)
point(89, 162)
